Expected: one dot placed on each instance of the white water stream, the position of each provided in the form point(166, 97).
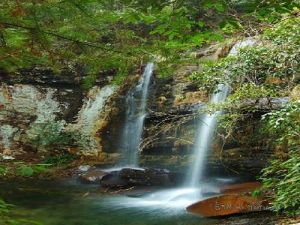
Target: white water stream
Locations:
point(136, 112)
point(194, 188)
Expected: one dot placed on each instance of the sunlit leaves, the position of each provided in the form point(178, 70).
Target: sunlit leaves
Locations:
point(68, 33)
point(15, 38)
point(283, 177)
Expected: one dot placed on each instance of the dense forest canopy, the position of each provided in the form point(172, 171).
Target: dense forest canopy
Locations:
point(97, 35)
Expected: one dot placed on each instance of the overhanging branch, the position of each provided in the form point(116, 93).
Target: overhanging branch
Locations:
point(51, 33)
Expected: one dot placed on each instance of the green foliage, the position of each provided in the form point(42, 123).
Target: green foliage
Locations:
point(285, 32)
point(278, 58)
point(272, 11)
point(4, 207)
point(251, 91)
point(253, 65)
point(213, 73)
point(228, 121)
point(25, 170)
point(59, 160)
point(266, 70)
point(283, 177)
point(49, 135)
point(237, 103)
point(6, 217)
point(283, 174)
point(100, 35)
point(3, 170)
point(284, 124)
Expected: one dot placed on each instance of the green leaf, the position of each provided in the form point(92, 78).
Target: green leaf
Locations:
point(25, 171)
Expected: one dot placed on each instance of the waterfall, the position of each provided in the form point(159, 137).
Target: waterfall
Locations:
point(136, 102)
point(205, 136)
point(191, 191)
point(208, 123)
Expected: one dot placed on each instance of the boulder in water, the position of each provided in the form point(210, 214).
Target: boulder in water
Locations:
point(228, 204)
point(113, 181)
point(92, 176)
point(129, 177)
point(147, 177)
point(84, 168)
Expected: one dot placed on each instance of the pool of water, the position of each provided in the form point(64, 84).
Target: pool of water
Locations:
point(68, 203)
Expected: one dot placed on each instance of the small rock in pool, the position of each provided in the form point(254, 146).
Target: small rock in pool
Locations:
point(92, 177)
point(84, 168)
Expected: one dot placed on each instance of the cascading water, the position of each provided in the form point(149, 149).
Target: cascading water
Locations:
point(205, 136)
point(208, 124)
point(135, 116)
point(191, 190)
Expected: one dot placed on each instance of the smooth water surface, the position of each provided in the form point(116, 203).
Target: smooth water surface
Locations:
point(75, 204)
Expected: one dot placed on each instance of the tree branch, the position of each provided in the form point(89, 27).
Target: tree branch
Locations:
point(89, 44)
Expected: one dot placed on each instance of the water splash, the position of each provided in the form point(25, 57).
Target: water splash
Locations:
point(208, 123)
point(135, 116)
point(192, 191)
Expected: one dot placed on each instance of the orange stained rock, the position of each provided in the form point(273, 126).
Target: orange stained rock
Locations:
point(227, 205)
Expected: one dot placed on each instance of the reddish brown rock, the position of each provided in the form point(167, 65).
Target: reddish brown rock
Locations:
point(227, 205)
point(240, 188)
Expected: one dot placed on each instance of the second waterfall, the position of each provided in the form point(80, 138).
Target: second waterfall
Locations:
point(136, 103)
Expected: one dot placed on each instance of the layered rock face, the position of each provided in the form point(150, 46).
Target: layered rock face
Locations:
point(36, 97)
point(39, 109)
point(170, 126)
point(25, 107)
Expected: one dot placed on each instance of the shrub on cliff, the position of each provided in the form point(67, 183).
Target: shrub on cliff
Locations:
point(273, 62)
point(270, 69)
point(282, 176)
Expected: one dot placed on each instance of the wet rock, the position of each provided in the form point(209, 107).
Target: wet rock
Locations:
point(147, 177)
point(265, 104)
point(92, 177)
point(25, 108)
point(42, 76)
point(213, 52)
point(114, 181)
point(7, 157)
point(129, 177)
point(246, 161)
point(227, 205)
point(84, 168)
